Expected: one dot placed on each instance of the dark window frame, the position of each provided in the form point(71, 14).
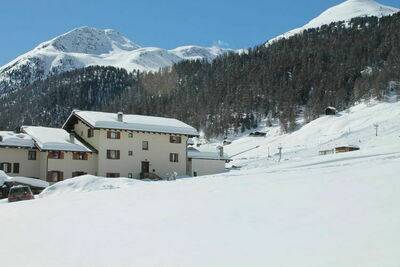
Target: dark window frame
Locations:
point(16, 167)
point(57, 178)
point(117, 155)
point(32, 155)
point(78, 173)
point(80, 156)
point(145, 145)
point(175, 139)
point(90, 133)
point(6, 167)
point(174, 157)
point(115, 135)
point(112, 175)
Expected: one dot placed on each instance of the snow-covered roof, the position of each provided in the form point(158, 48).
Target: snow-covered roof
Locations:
point(54, 139)
point(11, 139)
point(193, 153)
point(134, 123)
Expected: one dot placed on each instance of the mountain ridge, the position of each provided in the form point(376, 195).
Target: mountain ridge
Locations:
point(342, 12)
point(87, 46)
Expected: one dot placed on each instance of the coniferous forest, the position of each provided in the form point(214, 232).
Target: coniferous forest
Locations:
point(336, 65)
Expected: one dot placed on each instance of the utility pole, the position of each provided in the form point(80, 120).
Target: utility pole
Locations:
point(280, 153)
point(376, 125)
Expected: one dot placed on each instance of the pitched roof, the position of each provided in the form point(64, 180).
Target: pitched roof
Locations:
point(134, 123)
point(11, 139)
point(193, 153)
point(54, 139)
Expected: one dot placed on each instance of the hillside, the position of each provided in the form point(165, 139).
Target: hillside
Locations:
point(332, 66)
point(308, 210)
point(343, 12)
point(87, 46)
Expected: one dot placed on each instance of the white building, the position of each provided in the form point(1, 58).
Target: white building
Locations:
point(106, 144)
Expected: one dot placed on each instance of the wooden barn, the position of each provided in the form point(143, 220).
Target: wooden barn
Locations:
point(344, 149)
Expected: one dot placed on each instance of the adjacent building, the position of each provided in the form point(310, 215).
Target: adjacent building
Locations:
point(108, 145)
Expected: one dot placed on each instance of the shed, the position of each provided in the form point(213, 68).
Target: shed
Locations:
point(206, 162)
point(330, 111)
point(344, 149)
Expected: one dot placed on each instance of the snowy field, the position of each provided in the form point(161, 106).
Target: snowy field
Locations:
point(307, 210)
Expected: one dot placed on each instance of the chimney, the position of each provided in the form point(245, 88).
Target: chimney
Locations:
point(221, 151)
point(72, 137)
point(120, 116)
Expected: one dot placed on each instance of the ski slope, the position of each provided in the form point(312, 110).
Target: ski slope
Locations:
point(307, 210)
point(343, 12)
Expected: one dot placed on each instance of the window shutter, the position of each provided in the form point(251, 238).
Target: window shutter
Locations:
point(60, 176)
point(8, 167)
point(108, 154)
point(109, 134)
point(118, 154)
point(118, 135)
point(171, 157)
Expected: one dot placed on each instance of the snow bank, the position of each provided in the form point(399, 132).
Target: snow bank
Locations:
point(87, 183)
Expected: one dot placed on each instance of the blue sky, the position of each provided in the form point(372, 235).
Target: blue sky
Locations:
point(167, 24)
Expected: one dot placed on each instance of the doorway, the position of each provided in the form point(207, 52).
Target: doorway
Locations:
point(145, 167)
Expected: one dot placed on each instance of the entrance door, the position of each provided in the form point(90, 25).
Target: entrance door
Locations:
point(145, 167)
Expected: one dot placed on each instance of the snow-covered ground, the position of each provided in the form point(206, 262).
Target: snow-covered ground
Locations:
point(307, 210)
point(343, 12)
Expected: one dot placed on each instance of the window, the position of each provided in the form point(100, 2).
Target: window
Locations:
point(173, 157)
point(130, 153)
point(90, 133)
point(130, 135)
point(55, 176)
point(55, 155)
point(16, 168)
point(78, 173)
point(175, 139)
point(32, 155)
point(6, 167)
point(145, 145)
point(130, 175)
point(112, 175)
point(113, 154)
point(80, 156)
point(113, 135)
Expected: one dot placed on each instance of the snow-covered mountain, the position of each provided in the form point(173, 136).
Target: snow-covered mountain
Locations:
point(343, 12)
point(88, 46)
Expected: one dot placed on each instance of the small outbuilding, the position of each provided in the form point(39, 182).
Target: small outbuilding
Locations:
point(344, 149)
point(329, 111)
point(258, 134)
point(205, 163)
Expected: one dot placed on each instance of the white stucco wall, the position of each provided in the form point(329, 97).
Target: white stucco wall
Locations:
point(68, 165)
point(27, 168)
point(206, 167)
point(157, 155)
